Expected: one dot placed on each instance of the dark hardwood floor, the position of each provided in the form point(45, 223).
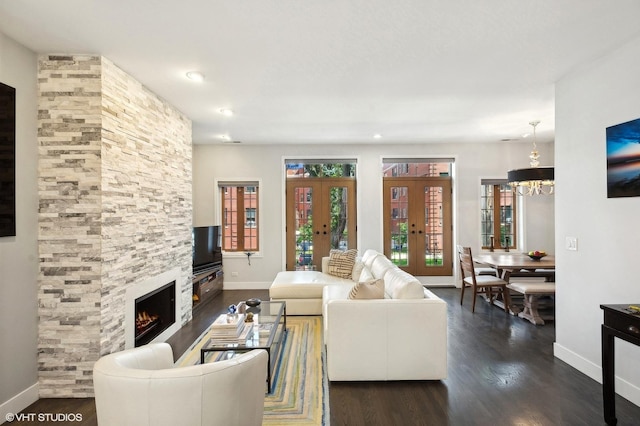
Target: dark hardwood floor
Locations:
point(501, 371)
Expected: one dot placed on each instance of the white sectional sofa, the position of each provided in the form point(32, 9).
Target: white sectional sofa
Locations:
point(402, 336)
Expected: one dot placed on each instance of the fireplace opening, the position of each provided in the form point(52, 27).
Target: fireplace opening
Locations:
point(154, 313)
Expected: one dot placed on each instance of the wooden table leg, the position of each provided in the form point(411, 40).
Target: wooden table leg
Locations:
point(608, 379)
point(530, 311)
point(506, 275)
point(497, 301)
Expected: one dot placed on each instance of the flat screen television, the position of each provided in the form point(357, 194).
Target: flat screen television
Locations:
point(7, 161)
point(207, 250)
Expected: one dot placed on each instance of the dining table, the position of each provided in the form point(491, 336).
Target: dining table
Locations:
point(506, 263)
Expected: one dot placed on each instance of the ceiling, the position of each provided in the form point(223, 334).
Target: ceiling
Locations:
point(340, 71)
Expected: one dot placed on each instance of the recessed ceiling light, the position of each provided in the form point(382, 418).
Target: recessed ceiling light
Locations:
point(226, 111)
point(377, 136)
point(195, 76)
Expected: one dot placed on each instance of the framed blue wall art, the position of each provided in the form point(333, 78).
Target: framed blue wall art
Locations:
point(623, 159)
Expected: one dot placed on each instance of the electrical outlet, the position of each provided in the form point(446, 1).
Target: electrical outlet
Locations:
point(571, 243)
point(234, 274)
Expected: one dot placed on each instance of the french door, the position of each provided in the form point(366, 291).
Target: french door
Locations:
point(321, 215)
point(418, 224)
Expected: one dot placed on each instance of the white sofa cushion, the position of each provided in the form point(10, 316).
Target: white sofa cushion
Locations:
point(380, 266)
point(365, 275)
point(399, 284)
point(357, 270)
point(368, 257)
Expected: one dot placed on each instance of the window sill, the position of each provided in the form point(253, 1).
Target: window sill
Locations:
point(240, 254)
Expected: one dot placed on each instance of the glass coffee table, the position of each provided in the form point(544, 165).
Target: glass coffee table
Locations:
point(269, 332)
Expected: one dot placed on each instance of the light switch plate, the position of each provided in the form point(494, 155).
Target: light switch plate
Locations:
point(571, 243)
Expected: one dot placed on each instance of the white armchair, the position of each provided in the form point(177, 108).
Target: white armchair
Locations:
point(141, 387)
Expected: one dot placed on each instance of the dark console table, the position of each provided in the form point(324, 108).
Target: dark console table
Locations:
point(620, 322)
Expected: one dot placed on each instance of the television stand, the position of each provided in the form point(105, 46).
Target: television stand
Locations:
point(207, 284)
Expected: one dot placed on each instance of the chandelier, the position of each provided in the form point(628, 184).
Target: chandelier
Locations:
point(535, 179)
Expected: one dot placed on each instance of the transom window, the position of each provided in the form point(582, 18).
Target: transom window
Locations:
point(313, 169)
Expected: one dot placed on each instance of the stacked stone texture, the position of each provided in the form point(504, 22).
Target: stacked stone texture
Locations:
point(115, 209)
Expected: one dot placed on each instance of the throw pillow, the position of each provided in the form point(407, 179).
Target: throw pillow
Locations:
point(341, 263)
point(357, 270)
point(373, 289)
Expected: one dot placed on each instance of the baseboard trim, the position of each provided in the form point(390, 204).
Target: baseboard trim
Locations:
point(594, 371)
point(19, 402)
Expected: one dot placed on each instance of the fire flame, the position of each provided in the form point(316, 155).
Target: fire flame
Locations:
point(144, 320)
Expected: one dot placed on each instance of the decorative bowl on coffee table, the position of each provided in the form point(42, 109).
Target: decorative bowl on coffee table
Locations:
point(253, 302)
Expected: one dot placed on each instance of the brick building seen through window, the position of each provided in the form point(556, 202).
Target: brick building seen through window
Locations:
point(240, 215)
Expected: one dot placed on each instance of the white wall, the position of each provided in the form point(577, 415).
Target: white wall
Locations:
point(473, 162)
point(19, 254)
point(603, 270)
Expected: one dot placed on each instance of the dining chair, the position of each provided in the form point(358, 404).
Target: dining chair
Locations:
point(489, 285)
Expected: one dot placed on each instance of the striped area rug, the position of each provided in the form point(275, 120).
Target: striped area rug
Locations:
point(301, 393)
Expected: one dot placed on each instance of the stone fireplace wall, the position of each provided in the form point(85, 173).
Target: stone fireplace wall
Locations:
point(115, 209)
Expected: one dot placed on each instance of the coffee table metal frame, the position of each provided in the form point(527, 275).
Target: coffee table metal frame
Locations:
point(274, 313)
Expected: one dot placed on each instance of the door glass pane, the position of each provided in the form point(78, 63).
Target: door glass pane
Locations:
point(230, 219)
point(486, 212)
point(250, 218)
point(433, 234)
point(304, 227)
point(338, 208)
point(507, 231)
point(399, 225)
